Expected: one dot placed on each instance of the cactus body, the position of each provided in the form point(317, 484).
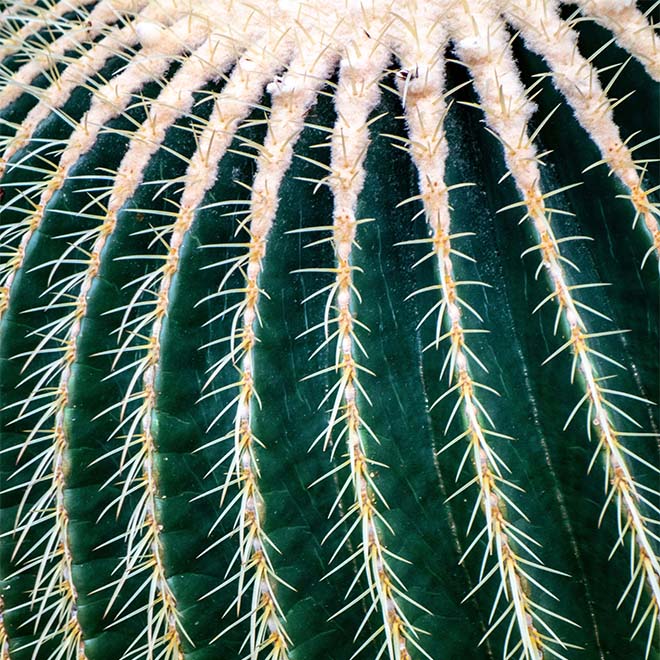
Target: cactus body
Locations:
point(329, 330)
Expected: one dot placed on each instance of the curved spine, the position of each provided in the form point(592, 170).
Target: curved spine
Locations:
point(486, 52)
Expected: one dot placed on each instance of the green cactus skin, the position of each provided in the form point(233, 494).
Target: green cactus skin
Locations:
point(310, 345)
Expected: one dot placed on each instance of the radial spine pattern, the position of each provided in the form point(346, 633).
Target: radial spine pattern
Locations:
point(203, 83)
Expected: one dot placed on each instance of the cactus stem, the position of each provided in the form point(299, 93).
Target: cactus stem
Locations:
point(176, 99)
point(508, 126)
point(56, 581)
point(288, 50)
point(37, 64)
point(9, 11)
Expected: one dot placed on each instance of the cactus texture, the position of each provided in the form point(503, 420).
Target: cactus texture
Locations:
point(329, 329)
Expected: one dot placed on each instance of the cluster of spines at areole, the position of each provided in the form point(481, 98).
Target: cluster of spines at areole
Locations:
point(291, 49)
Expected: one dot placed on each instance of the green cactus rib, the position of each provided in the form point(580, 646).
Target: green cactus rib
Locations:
point(249, 410)
point(501, 534)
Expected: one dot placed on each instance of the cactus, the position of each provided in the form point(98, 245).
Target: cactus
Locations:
point(329, 330)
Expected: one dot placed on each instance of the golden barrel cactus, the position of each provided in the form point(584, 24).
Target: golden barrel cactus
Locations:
point(329, 329)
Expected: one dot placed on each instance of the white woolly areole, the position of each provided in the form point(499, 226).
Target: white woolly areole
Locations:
point(149, 34)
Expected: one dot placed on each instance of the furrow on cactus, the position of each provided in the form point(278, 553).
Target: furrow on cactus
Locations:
point(47, 17)
point(356, 96)
point(292, 95)
point(164, 631)
point(477, 44)
point(54, 575)
point(108, 102)
point(629, 27)
point(577, 80)
point(425, 112)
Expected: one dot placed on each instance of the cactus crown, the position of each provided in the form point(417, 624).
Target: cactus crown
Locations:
point(238, 384)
